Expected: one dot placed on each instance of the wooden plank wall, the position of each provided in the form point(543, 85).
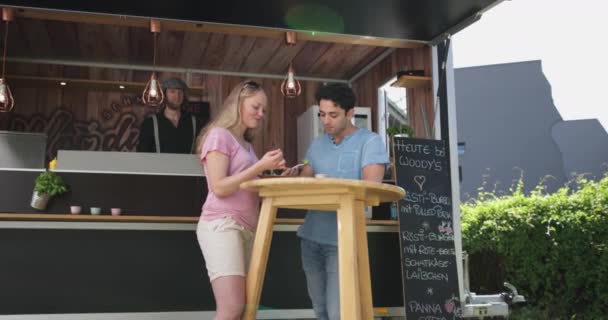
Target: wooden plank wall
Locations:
point(366, 87)
point(86, 119)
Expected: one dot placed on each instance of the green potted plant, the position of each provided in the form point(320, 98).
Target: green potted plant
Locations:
point(47, 184)
point(396, 131)
point(400, 131)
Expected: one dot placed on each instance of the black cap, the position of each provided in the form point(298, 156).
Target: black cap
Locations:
point(175, 83)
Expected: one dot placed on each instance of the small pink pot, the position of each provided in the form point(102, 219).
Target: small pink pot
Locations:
point(75, 209)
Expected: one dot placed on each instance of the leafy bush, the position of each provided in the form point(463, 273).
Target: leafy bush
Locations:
point(50, 183)
point(552, 247)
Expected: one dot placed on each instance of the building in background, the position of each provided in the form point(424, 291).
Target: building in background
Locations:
point(511, 128)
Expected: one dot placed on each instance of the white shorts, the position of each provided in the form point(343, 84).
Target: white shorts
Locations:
point(226, 246)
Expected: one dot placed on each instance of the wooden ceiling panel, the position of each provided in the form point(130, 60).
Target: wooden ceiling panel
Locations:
point(214, 54)
point(169, 47)
point(369, 57)
point(80, 41)
point(140, 46)
point(89, 36)
point(307, 57)
point(331, 58)
point(37, 39)
point(262, 51)
point(193, 49)
point(343, 66)
point(280, 61)
point(16, 39)
point(63, 39)
point(117, 41)
point(237, 50)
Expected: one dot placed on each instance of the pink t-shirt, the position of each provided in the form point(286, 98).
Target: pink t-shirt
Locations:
point(242, 206)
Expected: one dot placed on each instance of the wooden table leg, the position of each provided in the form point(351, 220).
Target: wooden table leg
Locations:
point(350, 308)
point(259, 258)
point(367, 309)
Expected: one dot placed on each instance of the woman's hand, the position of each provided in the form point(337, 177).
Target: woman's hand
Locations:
point(272, 160)
point(223, 184)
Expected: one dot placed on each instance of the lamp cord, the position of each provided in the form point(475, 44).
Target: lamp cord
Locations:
point(5, 45)
point(154, 53)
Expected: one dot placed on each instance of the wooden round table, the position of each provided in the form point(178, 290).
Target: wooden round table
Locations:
point(348, 198)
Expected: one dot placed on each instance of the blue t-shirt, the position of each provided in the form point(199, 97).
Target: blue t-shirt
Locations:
point(345, 160)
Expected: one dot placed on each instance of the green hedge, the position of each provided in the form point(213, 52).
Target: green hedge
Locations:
point(553, 248)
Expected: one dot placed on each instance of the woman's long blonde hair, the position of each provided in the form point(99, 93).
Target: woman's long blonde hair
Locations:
point(229, 116)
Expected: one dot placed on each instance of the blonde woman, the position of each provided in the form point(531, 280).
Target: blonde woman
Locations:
point(230, 215)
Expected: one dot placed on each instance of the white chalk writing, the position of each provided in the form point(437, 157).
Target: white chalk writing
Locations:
point(431, 236)
point(427, 197)
point(446, 252)
point(422, 307)
point(439, 152)
point(419, 274)
point(412, 147)
point(427, 263)
point(431, 165)
point(436, 211)
point(411, 249)
point(428, 250)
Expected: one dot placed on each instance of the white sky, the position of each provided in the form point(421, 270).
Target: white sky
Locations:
point(570, 37)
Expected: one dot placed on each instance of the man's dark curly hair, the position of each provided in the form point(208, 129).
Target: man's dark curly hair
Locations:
point(341, 94)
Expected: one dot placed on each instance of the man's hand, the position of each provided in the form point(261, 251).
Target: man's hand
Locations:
point(303, 170)
point(293, 171)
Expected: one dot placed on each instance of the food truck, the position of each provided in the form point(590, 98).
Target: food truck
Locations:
point(77, 73)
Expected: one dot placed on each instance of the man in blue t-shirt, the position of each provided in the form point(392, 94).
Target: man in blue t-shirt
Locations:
point(344, 151)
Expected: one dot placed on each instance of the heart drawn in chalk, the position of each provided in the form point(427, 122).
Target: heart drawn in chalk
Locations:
point(420, 181)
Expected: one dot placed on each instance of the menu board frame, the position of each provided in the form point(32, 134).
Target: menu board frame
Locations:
point(426, 230)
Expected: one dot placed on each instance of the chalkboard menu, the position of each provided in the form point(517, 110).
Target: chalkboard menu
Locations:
point(428, 257)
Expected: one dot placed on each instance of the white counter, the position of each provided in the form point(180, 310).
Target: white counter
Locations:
point(128, 163)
